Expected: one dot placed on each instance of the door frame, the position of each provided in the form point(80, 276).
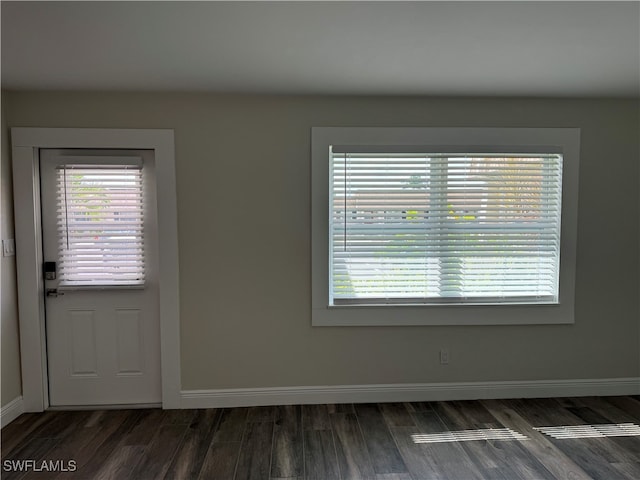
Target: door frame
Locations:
point(26, 143)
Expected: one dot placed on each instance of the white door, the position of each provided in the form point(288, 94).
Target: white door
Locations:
point(99, 227)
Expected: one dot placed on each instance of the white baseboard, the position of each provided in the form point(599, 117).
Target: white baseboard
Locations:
point(407, 392)
point(11, 411)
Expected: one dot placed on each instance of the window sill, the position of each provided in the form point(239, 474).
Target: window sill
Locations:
point(434, 315)
point(71, 287)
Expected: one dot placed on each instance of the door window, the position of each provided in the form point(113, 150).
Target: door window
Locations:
point(100, 225)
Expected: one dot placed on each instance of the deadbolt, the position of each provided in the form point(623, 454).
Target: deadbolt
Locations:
point(49, 270)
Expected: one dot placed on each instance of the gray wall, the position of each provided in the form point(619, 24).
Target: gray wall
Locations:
point(11, 386)
point(243, 183)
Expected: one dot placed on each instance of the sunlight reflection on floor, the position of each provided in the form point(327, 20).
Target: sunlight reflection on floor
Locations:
point(469, 435)
point(591, 431)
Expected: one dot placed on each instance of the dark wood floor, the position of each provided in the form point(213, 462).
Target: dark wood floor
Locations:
point(393, 441)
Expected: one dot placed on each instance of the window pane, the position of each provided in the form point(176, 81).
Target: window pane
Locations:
point(100, 225)
point(416, 228)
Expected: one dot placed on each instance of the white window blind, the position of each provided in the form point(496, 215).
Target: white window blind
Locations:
point(100, 225)
point(412, 228)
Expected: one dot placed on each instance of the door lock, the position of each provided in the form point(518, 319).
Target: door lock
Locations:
point(53, 292)
point(49, 270)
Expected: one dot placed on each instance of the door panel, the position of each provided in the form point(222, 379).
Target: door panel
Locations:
point(83, 351)
point(130, 347)
point(103, 338)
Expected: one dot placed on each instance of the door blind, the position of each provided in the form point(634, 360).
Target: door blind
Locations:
point(100, 225)
point(413, 228)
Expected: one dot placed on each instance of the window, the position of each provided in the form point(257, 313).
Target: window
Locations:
point(443, 226)
point(100, 225)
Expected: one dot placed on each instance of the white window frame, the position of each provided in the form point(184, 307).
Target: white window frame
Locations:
point(564, 140)
point(66, 222)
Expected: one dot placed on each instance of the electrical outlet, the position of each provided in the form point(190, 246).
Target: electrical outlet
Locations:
point(444, 356)
point(8, 247)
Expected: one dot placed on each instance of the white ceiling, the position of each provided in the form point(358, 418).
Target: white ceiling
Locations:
point(397, 48)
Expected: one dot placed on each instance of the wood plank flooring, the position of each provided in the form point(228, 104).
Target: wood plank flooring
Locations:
point(489, 439)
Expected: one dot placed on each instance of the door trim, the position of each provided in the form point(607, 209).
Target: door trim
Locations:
point(26, 143)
